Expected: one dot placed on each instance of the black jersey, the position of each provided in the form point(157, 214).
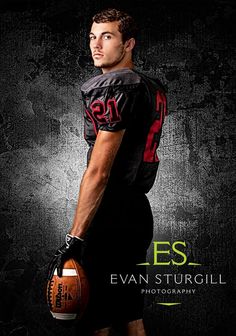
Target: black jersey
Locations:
point(127, 99)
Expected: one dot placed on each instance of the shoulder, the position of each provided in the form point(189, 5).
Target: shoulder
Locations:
point(152, 82)
point(119, 78)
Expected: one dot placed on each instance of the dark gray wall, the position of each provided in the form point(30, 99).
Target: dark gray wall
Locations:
point(44, 56)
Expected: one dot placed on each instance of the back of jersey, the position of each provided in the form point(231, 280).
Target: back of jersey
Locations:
point(155, 112)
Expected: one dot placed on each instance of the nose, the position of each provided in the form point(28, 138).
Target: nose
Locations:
point(96, 44)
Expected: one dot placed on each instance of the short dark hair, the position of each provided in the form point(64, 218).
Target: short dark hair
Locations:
point(127, 25)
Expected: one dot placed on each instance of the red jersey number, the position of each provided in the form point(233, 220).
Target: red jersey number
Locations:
point(154, 131)
point(99, 110)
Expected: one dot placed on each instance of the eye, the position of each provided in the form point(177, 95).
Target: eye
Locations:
point(91, 37)
point(107, 37)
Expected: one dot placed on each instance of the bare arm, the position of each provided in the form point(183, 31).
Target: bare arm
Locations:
point(95, 179)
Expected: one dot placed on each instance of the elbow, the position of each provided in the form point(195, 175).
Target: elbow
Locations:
point(102, 179)
point(97, 176)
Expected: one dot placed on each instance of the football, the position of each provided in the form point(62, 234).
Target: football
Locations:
point(67, 296)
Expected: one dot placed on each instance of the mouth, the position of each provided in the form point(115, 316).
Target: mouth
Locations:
point(97, 55)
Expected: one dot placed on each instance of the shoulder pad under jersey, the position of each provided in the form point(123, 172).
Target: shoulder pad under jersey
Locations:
point(120, 77)
point(152, 81)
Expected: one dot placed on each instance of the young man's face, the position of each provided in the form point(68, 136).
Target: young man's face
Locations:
point(106, 45)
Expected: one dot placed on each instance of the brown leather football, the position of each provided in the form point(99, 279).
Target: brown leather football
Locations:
point(67, 296)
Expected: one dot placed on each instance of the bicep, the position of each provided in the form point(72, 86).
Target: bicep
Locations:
point(105, 150)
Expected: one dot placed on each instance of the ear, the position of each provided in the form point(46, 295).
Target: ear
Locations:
point(129, 44)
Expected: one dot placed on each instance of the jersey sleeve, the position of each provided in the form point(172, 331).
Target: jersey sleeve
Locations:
point(119, 108)
point(111, 98)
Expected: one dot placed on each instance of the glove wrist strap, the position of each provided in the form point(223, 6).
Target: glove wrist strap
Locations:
point(69, 237)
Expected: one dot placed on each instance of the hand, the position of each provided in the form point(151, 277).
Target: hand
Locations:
point(72, 248)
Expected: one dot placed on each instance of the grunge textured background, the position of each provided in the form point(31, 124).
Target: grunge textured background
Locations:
point(44, 57)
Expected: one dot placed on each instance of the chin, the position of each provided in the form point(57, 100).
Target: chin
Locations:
point(98, 64)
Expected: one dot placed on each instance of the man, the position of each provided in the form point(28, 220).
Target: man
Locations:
point(113, 223)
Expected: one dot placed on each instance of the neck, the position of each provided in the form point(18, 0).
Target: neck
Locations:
point(127, 64)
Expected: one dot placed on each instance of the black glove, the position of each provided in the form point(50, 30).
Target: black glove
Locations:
point(71, 249)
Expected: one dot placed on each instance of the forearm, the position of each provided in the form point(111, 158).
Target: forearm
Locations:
point(95, 179)
point(92, 188)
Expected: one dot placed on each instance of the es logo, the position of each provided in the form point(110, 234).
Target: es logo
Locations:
point(160, 253)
